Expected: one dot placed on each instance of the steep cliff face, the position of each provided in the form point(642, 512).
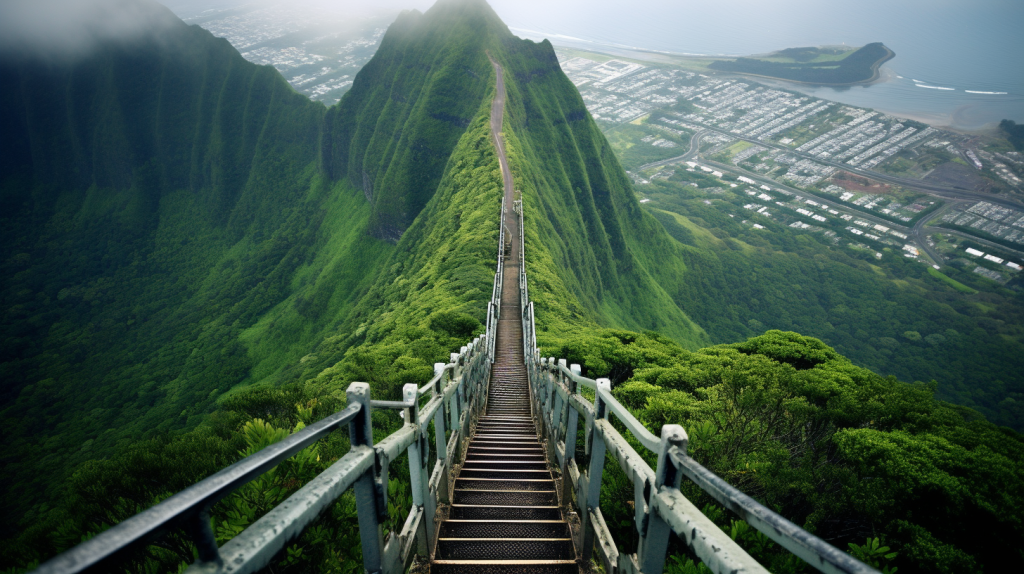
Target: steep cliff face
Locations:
point(393, 132)
point(586, 233)
point(158, 195)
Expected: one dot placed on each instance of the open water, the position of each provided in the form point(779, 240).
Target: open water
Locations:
point(963, 46)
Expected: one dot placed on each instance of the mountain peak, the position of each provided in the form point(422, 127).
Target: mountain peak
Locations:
point(392, 133)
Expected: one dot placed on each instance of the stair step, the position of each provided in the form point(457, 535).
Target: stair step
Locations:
point(504, 529)
point(486, 455)
point(504, 474)
point(523, 450)
point(504, 567)
point(478, 464)
point(506, 497)
point(505, 549)
point(503, 484)
point(505, 512)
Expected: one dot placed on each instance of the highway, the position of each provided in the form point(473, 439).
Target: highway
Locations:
point(694, 149)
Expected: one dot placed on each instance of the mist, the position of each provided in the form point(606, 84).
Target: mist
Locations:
point(73, 27)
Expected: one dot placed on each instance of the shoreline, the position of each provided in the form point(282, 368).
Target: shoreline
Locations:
point(875, 74)
point(880, 75)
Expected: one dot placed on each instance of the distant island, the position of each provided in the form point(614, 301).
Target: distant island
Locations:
point(826, 65)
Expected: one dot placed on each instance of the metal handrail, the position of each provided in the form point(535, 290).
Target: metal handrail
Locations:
point(659, 506)
point(192, 504)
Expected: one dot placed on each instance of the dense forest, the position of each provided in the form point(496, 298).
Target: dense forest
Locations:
point(860, 66)
point(846, 453)
point(197, 261)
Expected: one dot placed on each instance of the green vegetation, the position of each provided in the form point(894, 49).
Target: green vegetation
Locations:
point(593, 255)
point(847, 454)
point(809, 54)
point(189, 247)
point(197, 261)
point(1014, 133)
point(797, 65)
point(741, 281)
point(173, 246)
point(632, 152)
point(951, 282)
point(392, 133)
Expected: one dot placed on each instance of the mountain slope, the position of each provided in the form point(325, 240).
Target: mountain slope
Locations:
point(160, 195)
point(392, 133)
point(585, 229)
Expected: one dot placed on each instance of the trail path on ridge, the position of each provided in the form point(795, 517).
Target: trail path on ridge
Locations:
point(511, 223)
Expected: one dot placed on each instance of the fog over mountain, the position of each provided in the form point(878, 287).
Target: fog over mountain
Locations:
point(72, 27)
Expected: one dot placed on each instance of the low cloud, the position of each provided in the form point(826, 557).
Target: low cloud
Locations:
point(71, 28)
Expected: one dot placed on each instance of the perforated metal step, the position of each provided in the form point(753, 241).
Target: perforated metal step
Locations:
point(504, 529)
point(464, 483)
point(504, 567)
point(509, 512)
point(505, 549)
point(502, 497)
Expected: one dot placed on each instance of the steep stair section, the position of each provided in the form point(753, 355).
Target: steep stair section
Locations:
point(504, 517)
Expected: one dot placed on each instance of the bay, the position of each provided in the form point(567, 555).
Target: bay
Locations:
point(966, 46)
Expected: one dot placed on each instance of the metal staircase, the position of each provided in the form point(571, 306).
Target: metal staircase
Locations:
point(505, 516)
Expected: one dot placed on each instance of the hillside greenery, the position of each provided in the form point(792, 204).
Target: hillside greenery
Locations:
point(590, 248)
point(860, 66)
point(889, 314)
point(392, 133)
point(170, 238)
point(1014, 133)
point(846, 453)
point(197, 261)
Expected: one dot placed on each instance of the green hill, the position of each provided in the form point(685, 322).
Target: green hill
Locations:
point(179, 224)
point(197, 260)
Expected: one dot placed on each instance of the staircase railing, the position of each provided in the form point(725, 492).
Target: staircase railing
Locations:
point(451, 400)
point(660, 508)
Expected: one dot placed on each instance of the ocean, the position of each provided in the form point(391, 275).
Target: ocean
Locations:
point(945, 50)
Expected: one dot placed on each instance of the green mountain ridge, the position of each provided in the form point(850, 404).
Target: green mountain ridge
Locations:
point(181, 224)
point(222, 257)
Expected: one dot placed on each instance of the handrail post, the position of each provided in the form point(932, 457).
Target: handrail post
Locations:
point(204, 539)
point(654, 543)
point(556, 410)
point(456, 406)
point(597, 451)
point(419, 452)
point(440, 441)
point(361, 435)
point(464, 413)
point(570, 439)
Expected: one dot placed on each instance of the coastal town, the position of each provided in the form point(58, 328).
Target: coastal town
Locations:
point(859, 178)
point(304, 45)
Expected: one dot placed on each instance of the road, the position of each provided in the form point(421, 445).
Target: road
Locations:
point(694, 148)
